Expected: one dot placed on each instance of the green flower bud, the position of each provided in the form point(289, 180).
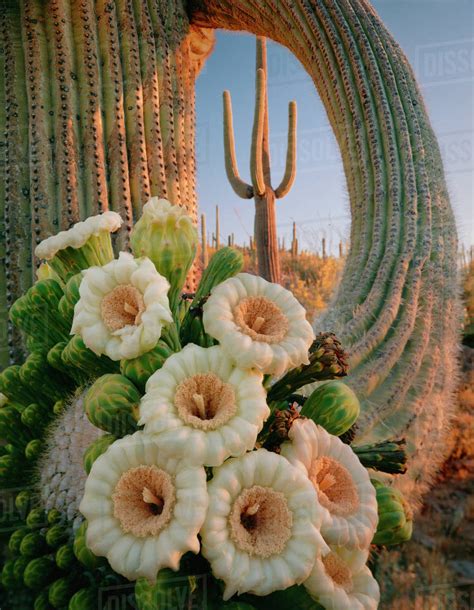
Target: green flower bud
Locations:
point(38, 572)
point(84, 599)
point(98, 447)
point(65, 557)
point(334, 406)
point(140, 369)
point(59, 592)
point(112, 404)
point(395, 516)
point(165, 233)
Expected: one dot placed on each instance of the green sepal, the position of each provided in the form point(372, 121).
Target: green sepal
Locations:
point(23, 502)
point(60, 591)
point(70, 298)
point(12, 386)
point(34, 449)
point(38, 572)
point(387, 456)
point(42, 601)
point(55, 517)
point(395, 524)
point(112, 404)
point(37, 315)
point(19, 568)
point(140, 369)
point(36, 417)
point(225, 263)
point(84, 599)
point(65, 557)
point(8, 577)
point(16, 538)
point(56, 535)
point(97, 448)
point(36, 373)
point(33, 545)
point(334, 406)
point(295, 597)
point(76, 354)
point(82, 551)
point(36, 518)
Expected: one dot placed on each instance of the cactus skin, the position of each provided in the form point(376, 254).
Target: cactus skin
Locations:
point(111, 404)
point(334, 406)
point(261, 189)
point(401, 269)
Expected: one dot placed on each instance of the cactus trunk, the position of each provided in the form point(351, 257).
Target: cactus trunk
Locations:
point(266, 237)
point(97, 113)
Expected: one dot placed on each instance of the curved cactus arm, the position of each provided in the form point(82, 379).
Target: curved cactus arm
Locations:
point(290, 169)
point(241, 188)
point(256, 157)
point(401, 268)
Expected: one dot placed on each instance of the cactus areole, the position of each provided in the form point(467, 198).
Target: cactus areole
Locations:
point(99, 99)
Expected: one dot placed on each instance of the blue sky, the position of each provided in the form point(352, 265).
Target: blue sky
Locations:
point(438, 38)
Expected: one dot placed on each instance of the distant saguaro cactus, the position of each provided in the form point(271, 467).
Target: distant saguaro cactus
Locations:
point(261, 188)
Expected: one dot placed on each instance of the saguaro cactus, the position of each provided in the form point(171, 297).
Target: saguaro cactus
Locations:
point(396, 309)
point(97, 113)
point(261, 188)
point(134, 96)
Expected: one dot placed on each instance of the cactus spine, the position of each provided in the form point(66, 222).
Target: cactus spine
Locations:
point(400, 270)
point(261, 189)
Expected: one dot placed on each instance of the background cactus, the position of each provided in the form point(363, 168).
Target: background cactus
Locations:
point(261, 188)
point(105, 121)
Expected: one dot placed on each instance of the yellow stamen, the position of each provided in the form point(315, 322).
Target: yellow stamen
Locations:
point(199, 402)
point(252, 510)
point(130, 309)
point(258, 323)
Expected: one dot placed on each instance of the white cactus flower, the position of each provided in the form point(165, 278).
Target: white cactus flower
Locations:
point(200, 407)
point(261, 532)
point(259, 324)
point(343, 485)
point(341, 581)
point(144, 511)
point(86, 243)
point(123, 307)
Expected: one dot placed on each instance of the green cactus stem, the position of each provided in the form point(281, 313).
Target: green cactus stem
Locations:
point(261, 189)
point(387, 456)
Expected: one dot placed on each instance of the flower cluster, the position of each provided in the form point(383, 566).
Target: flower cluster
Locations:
point(205, 450)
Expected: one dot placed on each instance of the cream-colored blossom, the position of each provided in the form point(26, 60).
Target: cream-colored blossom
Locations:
point(77, 236)
point(341, 581)
point(144, 510)
point(123, 307)
point(199, 406)
point(259, 324)
point(261, 532)
point(343, 485)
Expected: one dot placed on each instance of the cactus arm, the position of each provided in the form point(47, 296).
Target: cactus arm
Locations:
point(396, 307)
point(241, 188)
point(91, 124)
point(290, 169)
point(261, 63)
point(256, 154)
